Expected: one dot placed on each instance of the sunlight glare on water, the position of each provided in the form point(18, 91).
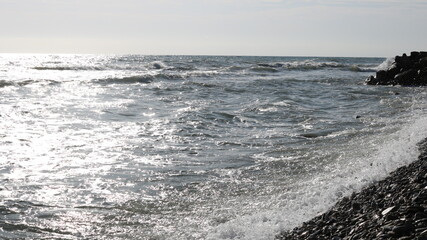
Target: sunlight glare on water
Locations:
point(188, 147)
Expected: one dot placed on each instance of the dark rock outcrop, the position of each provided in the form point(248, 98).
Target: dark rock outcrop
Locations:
point(395, 208)
point(405, 70)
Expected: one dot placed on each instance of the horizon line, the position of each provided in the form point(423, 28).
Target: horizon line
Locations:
point(194, 55)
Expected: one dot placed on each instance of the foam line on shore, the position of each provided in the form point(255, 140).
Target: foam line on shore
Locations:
point(389, 209)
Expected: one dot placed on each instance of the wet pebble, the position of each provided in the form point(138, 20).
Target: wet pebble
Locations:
point(402, 230)
point(394, 208)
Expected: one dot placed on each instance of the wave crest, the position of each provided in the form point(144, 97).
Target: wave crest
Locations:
point(157, 65)
point(308, 65)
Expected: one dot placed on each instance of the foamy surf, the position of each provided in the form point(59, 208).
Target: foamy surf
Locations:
point(359, 162)
point(191, 147)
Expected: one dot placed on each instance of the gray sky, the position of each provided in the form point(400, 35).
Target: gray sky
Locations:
point(381, 28)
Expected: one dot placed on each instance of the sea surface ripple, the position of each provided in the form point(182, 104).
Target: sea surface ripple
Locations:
point(192, 147)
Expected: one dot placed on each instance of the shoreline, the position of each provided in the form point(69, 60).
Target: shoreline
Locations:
point(393, 208)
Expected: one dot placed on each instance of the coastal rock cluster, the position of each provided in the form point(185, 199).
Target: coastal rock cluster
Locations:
point(394, 208)
point(405, 70)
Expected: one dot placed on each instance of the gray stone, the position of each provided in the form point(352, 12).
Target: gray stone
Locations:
point(405, 78)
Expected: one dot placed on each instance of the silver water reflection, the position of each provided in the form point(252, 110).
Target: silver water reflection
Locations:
point(181, 147)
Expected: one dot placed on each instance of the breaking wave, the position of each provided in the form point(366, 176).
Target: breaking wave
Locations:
point(308, 65)
point(386, 64)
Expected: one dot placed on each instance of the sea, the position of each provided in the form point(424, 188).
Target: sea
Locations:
point(192, 147)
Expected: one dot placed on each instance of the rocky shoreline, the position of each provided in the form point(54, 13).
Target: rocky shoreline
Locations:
point(394, 208)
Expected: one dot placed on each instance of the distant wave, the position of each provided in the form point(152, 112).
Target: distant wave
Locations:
point(5, 83)
point(148, 78)
point(302, 65)
point(157, 65)
point(69, 68)
point(161, 70)
point(201, 84)
point(126, 80)
point(356, 68)
point(312, 65)
point(264, 68)
point(147, 71)
point(234, 68)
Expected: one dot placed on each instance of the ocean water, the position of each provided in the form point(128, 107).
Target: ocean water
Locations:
point(192, 147)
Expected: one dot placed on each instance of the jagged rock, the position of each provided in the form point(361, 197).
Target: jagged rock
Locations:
point(405, 70)
point(423, 62)
point(403, 62)
point(415, 55)
point(371, 80)
point(406, 78)
point(423, 75)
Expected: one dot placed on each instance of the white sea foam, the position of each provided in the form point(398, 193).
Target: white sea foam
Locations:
point(362, 162)
point(386, 64)
point(158, 65)
point(192, 150)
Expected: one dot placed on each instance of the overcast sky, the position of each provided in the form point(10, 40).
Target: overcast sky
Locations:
point(381, 28)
